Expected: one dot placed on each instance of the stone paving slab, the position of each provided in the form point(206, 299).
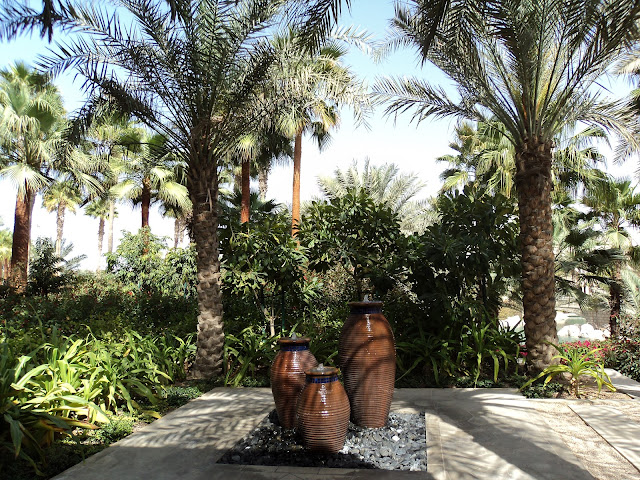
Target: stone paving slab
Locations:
point(490, 434)
point(185, 444)
point(623, 383)
point(612, 425)
point(471, 434)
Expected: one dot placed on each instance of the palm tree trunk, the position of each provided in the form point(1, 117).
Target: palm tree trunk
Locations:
point(263, 179)
point(183, 225)
point(615, 303)
point(112, 215)
point(100, 239)
point(21, 241)
point(176, 232)
point(59, 227)
point(203, 191)
point(146, 201)
point(246, 192)
point(533, 182)
point(295, 206)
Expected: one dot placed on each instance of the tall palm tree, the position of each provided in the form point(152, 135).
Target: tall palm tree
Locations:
point(314, 85)
point(386, 186)
point(106, 142)
point(31, 119)
point(616, 205)
point(149, 175)
point(195, 73)
point(99, 208)
point(59, 197)
point(533, 66)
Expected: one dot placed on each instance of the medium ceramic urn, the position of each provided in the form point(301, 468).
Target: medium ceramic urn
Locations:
point(323, 411)
point(288, 377)
point(368, 363)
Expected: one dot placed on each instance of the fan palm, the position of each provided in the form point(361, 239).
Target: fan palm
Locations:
point(616, 205)
point(312, 85)
point(106, 142)
point(533, 66)
point(31, 119)
point(193, 71)
point(60, 197)
point(99, 208)
point(149, 175)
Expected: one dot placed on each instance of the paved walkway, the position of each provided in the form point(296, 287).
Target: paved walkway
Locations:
point(471, 434)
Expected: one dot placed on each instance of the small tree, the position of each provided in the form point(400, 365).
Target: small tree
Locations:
point(358, 234)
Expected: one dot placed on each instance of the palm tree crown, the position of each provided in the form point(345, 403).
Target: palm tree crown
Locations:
point(195, 72)
point(532, 66)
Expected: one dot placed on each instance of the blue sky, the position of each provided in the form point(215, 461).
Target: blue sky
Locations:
point(412, 147)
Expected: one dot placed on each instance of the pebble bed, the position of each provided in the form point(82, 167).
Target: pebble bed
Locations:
point(400, 445)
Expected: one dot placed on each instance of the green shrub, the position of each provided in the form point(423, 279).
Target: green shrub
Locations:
point(118, 427)
point(176, 396)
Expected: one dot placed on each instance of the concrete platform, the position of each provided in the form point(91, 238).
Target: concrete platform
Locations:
point(471, 434)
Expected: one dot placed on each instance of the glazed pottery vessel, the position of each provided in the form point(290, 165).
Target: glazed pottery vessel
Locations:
point(368, 362)
point(288, 377)
point(323, 411)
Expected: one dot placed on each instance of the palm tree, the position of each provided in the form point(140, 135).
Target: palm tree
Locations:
point(616, 205)
point(314, 85)
point(106, 141)
point(531, 65)
point(386, 186)
point(149, 172)
point(195, 73)
point(61, 196)
point(99, 208)
point(31, 118)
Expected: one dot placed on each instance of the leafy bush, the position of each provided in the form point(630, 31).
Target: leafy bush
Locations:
point(177, 396)
point(49, 272)
point(118, 427)
point(361, 236)
point(139, 265)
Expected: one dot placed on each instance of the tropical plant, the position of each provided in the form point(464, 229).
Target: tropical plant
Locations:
point(314, 85)
point(386, 186)
point(616, 206)
point(100, 209)
point(245, 353)
point(61, 196)
point(470, 255)
point(576, 362)
point(149, 175)
point(161, 69)
point(360, 236)
point(32, 117)
point(532, 66)
point(105, 141)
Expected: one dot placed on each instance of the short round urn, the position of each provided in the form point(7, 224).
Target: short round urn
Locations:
point(368, 363)
point(323, 411)
point(288, 377)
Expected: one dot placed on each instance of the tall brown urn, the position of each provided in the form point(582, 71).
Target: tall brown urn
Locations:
point(368, 362)
point(323, 411)
point(288, 377)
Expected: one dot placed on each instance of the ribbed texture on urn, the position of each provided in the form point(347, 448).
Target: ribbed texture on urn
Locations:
point(323, 411)
point(288, 377)
point(368, 363)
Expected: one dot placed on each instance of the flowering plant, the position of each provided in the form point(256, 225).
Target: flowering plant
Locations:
point(576, 361)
